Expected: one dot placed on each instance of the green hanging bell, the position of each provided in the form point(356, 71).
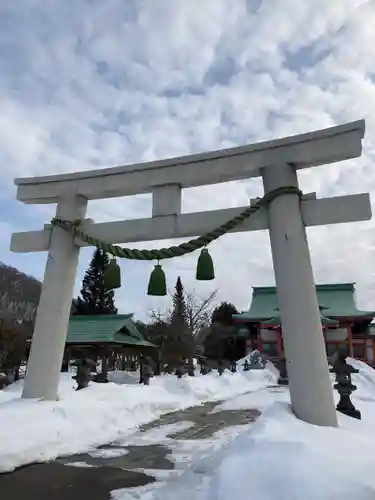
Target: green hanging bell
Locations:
point(112, 275)
point(157, 285)
point(205, 266)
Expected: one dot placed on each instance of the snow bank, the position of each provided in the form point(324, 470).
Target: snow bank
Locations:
point(32, 430)
point(269, 365)
point(120, 377)
point(364, 380)
point(282, 457)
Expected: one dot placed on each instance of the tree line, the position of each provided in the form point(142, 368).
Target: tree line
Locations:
point(176, 330)
point(19, 298)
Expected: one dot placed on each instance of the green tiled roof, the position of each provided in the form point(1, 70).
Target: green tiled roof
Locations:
point(335, 301)
point(113, 329)
point(277, 321)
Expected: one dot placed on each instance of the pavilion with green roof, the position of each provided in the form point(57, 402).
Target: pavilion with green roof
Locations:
point(105, 336)
point(343, 324)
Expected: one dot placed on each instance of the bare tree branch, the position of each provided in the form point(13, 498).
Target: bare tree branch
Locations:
point(158, 316)
point(19, 294)
point(199, 310)
point(7, 342)
point(13, 343)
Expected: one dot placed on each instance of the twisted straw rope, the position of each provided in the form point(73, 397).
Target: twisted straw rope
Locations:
point(179, 250)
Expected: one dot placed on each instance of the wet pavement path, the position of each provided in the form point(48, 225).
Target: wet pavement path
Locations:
point(118, 465)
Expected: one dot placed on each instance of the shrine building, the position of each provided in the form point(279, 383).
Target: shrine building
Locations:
point(345, 327)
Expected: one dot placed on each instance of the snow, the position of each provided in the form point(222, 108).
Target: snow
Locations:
point(260, 399)
point(280, 457)
point(33, 430)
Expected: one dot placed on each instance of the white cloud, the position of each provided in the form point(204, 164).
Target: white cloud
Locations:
point(85, 85)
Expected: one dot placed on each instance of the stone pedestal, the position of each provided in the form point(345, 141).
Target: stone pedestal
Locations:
point(346, 407)
point(283, 376)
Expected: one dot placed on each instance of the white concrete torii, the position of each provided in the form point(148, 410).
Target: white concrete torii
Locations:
point(277, 162)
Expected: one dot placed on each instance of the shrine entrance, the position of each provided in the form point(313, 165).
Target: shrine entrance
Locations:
point(283, 210)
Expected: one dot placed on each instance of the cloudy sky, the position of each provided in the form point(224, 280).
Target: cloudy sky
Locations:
point(86, 84)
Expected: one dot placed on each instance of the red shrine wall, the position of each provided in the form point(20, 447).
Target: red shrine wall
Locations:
point(269, 341)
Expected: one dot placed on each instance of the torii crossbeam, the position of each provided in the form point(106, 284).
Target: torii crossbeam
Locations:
point(277, 163)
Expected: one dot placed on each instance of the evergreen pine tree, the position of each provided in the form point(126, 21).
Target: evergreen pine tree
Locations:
point(95, 298)
point(223, 313)
point(179, 315)
point(183, 340)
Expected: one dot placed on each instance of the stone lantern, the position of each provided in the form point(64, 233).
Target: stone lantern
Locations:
point(344, 386)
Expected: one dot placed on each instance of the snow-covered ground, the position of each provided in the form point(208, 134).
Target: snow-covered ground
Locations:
point(32, 431)
point(281, 458)
point(276, 458)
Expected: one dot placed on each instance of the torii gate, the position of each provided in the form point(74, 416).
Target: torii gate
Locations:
point(286, 217)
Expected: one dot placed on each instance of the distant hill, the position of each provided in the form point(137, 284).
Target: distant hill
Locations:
point(19, 294)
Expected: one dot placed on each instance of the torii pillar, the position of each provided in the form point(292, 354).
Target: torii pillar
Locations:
point(47, 348)
point(309, 379)
point(286, 217)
